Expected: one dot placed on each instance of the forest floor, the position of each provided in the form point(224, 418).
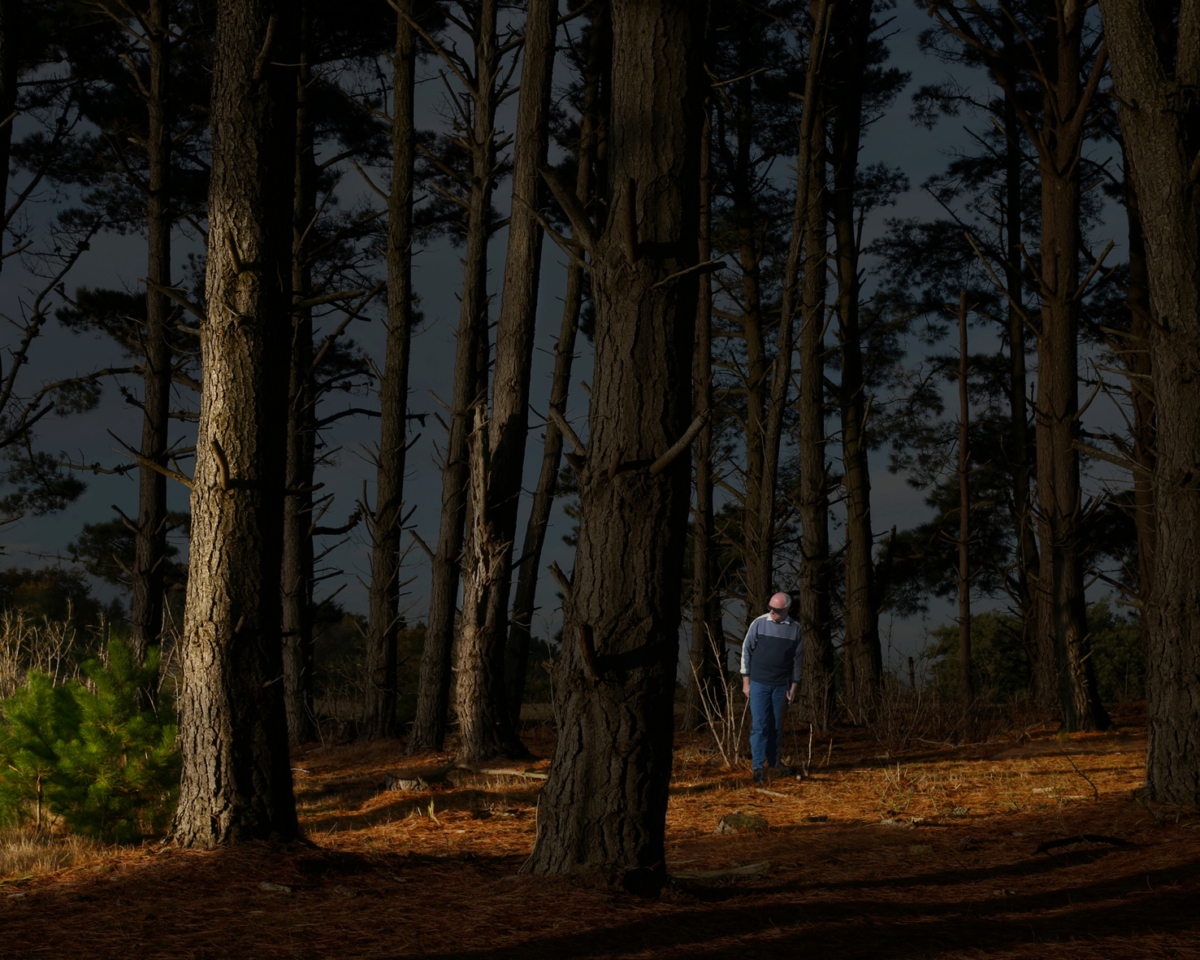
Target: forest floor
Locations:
point(938, 852)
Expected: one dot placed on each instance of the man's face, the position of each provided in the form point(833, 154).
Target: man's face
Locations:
point(777, 613)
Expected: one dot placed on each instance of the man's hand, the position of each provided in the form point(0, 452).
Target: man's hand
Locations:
point(791, 694)
point(745, 686)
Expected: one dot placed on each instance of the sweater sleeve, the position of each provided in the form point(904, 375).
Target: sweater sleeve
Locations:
point(748, 647)
point(798, 662)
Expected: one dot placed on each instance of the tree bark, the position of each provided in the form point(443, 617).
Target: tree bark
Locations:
point(1062, 611)
point(386, 522)
point(1159, 111)
point(605, 802)
point(297, 572)
point(236, 784)
point(863, 660)
point(433, 695)
point(485, 721)
point(150, 539)
point(590, 130)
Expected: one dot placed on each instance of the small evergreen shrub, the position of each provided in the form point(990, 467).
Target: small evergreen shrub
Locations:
point(98, 754)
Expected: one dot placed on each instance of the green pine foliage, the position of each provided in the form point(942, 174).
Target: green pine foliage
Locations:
point(38, 717)
point(98, 754)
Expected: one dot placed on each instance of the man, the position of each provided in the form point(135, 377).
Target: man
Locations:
point(771, 657)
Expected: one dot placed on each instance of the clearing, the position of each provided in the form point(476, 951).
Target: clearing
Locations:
point(938, 852)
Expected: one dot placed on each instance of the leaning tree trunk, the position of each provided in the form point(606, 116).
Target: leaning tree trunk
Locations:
point(590, 126)
point(150, 538)
point(433, 694)
point(1062, 607)
point(485, 721)
point(387, 519)
point(1159, 110)
point(237, 783)
point(297, 572)
point(606, 800)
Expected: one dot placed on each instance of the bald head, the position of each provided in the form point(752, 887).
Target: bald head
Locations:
point(780, 603)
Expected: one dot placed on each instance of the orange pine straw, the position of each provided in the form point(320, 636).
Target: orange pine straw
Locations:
point(927, 854)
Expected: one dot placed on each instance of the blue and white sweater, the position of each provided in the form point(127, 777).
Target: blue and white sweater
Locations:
point(772, 653)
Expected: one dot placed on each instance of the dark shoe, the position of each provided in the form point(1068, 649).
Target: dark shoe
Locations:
point(760, 775)
point(786, 771)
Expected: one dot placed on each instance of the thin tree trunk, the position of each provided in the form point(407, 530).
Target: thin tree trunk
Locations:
point(433, 695)
point(486, 723)
point(605, 802)
point(590, 130)
point(297, 570)
point(1021, 454)
point(237, 783)
point(150, 538)
point(966, 691)
point(818, 695)
point(1062, 611)
point(386, 522)
point(1159, 127)
point(863, 661)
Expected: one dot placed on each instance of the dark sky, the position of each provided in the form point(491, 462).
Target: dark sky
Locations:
point(116, 260)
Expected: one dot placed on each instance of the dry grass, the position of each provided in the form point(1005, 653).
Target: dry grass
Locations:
point(26, 852)
point(929, 854)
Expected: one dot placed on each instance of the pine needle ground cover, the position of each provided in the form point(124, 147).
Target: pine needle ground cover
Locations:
point(941, 852)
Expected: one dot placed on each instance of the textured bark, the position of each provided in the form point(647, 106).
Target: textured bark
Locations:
point(484, 718)
point(1136, 360)
point(1062, 610)
point(236, 784)
point(297, 572)
point(470, 365)
point(818, 697)
point(605, 802)
point(590, 128)
point(385, 525)
point(862, 665)
point(1159, 111)
point(150, 538)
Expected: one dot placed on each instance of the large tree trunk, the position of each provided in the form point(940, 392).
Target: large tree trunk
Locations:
point(297, 570)
point(863, 661)
point(385, 525)
point(486, 724)
point(1159, 110)
point(590, 132)
point(470, 382)
point(237, 783)
point(1062, 610)
point(150, 538)
point(606, 799)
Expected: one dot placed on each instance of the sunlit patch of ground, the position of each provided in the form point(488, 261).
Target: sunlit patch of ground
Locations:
point(931, 853)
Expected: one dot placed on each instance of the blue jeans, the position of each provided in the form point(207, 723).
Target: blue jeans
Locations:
point(768, 705)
